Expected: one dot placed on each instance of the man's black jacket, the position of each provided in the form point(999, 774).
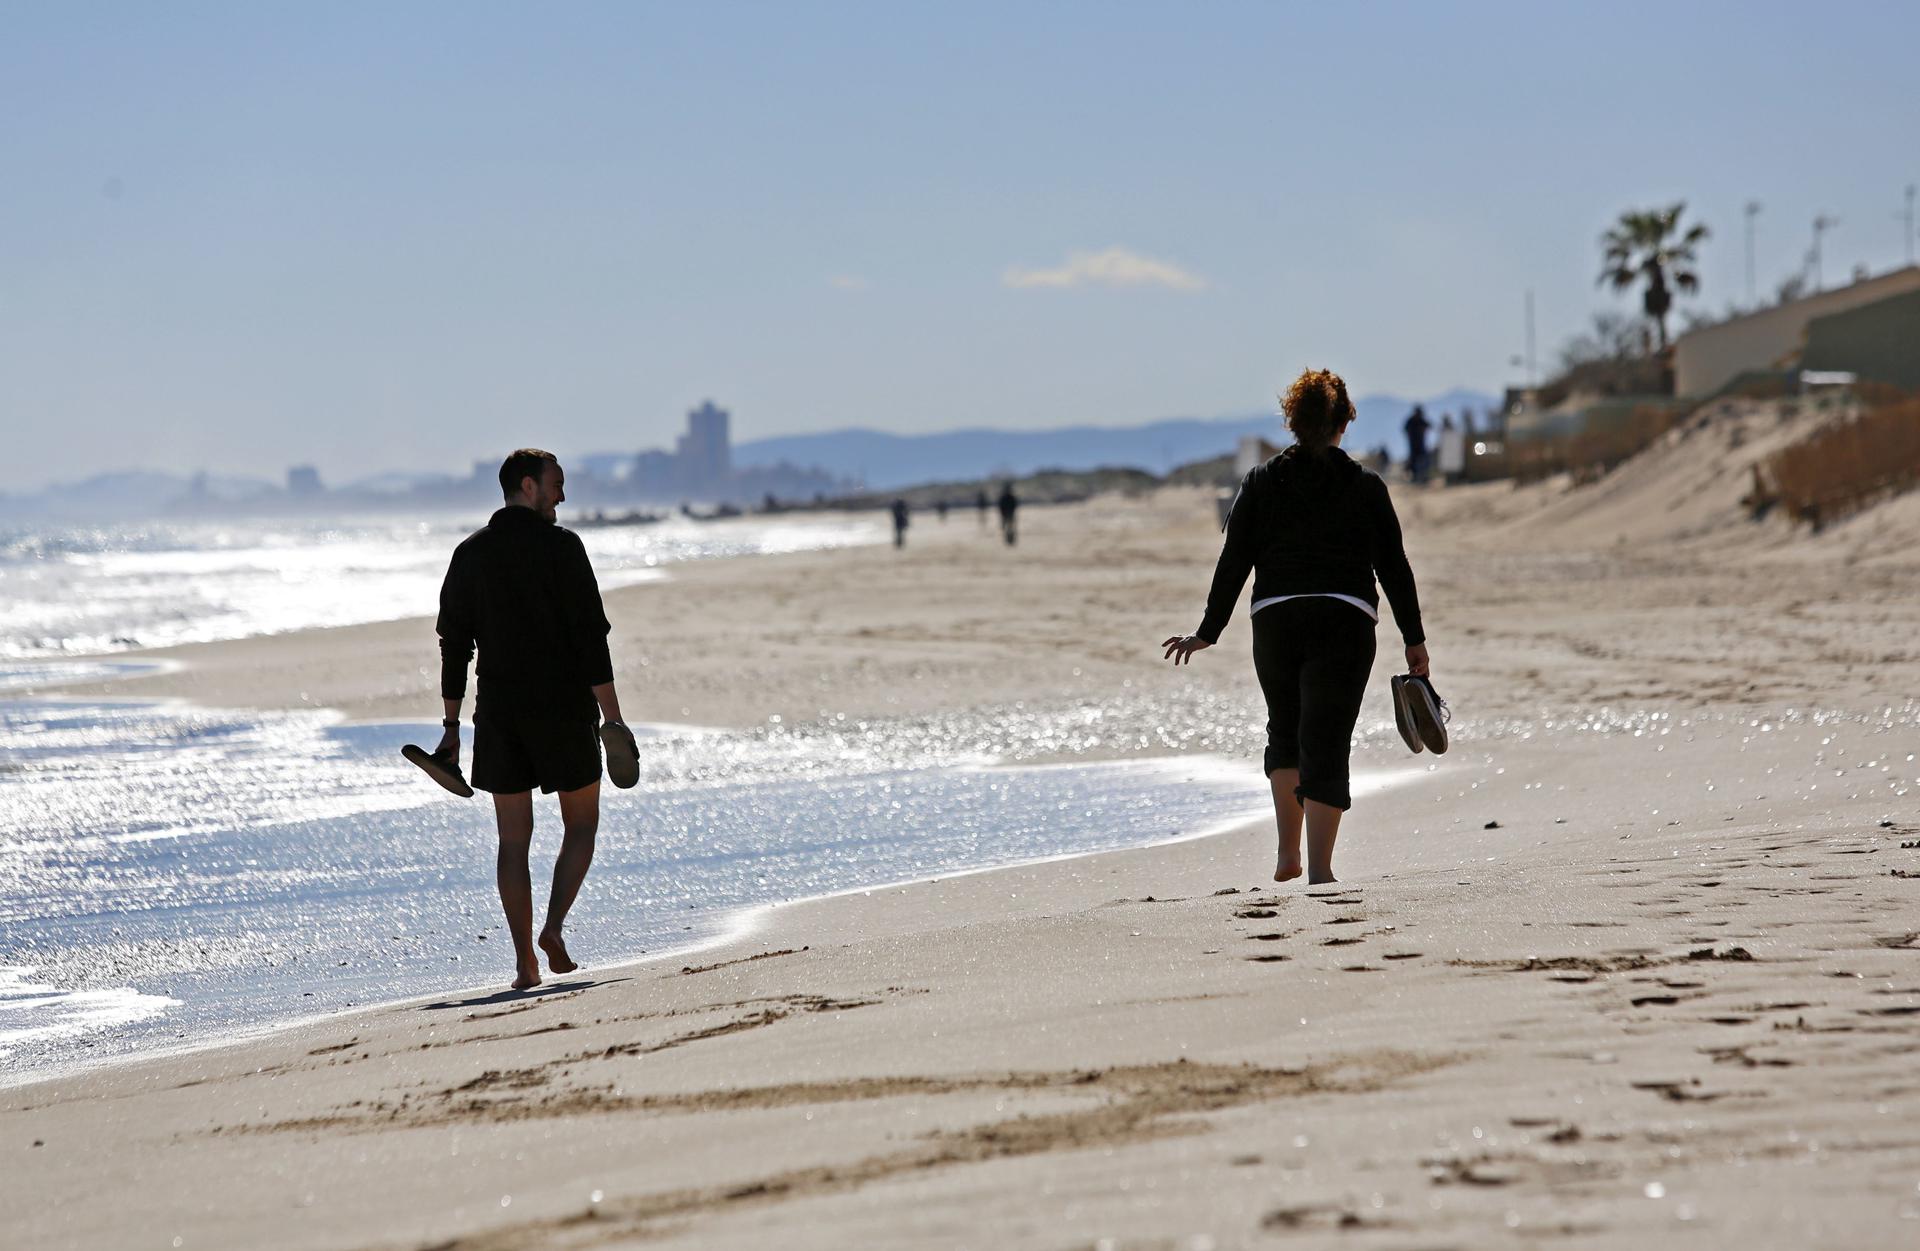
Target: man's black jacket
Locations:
point(522, 589)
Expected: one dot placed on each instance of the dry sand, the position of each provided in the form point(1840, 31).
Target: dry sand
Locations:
point(1638, 961)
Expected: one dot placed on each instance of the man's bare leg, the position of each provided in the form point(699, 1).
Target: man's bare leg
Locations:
point(513, 814)
point(580, 813)
point(1287, 813)
point(1323, 826)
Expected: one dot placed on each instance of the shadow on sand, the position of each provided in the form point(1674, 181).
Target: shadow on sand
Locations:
point(516, 996)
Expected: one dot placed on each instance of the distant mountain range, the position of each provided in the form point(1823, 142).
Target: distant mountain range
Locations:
point(897, 460)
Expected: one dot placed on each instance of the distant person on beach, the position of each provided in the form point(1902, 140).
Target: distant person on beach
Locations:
point(982, 503)
point(1453, 451)
point(1009, 507)
point(899, 510)
point(1314, 528)
point(521, 589)
point(1416, 427)
point(940, 511)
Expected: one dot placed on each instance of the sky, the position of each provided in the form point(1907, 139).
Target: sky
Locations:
point(373, 237)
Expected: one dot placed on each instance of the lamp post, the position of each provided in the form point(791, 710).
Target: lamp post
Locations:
point(1908, 215)
point(1821, 225)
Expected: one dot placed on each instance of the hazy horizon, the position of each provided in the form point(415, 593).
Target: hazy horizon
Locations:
point(373, 240)
point(1370, 432)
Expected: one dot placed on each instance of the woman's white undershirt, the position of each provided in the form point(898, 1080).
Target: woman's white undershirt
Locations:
point(1361, 604)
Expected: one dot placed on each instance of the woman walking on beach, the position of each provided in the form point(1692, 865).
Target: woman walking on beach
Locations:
point(1315, 528)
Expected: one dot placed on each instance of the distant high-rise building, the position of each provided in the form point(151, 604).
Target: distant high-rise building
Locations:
point(303, 480)
point(705, 452)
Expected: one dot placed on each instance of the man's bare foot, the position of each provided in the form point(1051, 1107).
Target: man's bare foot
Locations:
point(557, 958)
point(528, 976)
point(1286, 870)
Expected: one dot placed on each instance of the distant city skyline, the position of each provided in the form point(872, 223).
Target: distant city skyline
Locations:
point(242, 239)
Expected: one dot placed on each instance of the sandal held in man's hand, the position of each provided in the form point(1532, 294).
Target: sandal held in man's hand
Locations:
point(444, 769)
point(623, 754)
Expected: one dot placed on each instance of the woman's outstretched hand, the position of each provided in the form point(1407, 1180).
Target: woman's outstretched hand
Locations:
point(1182, 647)
point(1417, 660)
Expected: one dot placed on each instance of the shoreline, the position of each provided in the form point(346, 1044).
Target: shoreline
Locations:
point(717, 925)
point(733, 924)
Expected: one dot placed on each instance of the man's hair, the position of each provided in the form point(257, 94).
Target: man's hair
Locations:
point(527, 462)
point(1317, 407)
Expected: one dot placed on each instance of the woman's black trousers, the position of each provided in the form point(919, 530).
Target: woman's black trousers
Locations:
point(1313, 655)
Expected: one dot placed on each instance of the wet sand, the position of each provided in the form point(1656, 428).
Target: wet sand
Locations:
point(1639, 959)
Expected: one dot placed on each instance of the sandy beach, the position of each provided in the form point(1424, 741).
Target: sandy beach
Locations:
point(1639, 959)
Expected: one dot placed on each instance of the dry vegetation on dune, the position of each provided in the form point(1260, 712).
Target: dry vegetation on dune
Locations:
point(1848, 465)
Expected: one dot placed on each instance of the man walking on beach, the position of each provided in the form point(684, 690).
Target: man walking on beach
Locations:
point(522, 590)
point(1416, 428)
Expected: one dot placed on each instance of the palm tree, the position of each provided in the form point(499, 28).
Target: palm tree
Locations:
point(1647, 244)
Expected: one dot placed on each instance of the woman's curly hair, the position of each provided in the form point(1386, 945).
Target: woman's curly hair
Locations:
point(1317, 408)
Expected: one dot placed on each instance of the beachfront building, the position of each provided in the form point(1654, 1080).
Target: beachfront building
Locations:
point(1877, 342)
point(1707, 359)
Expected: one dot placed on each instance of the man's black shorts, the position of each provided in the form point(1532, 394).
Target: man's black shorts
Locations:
point(517, 753)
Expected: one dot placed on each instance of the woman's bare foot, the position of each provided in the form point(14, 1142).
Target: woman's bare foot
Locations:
point(1286, 870)
point(557, 958)
point(528, 976)
point(1320, 877)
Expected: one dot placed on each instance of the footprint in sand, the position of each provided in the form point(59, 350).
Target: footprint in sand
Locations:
point(1300, 1218)
point(1681, 1092)
point(1738, 1055)
point(1561, 1135)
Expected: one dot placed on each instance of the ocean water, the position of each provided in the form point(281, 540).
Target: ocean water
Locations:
point(67, 590)
point(171, 874)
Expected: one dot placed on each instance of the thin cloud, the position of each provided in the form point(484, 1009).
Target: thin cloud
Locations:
point(848, 282)
point(1115, 267)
